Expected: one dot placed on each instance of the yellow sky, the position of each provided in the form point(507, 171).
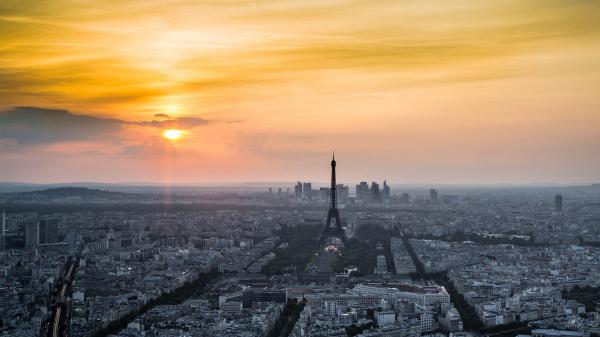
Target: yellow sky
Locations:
point(412, 91)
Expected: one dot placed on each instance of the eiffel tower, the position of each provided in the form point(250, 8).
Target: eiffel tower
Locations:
point(333, 226)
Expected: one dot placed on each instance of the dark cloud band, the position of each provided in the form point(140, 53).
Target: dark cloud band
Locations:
point(32, 125)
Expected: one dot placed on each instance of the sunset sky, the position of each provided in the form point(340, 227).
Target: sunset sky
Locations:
point(410, 91)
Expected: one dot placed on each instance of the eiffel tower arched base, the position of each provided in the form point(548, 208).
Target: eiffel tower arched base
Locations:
point(332, 232)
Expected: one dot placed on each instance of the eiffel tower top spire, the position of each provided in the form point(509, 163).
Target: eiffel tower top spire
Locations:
point(333, 190)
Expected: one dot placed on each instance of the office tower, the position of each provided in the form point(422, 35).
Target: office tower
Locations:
point(279, 191)
point(339, 190)
point(405, 198)
point(433, 194)
point(365, 192)
point(346, 193)
point(375, 193)
point(47, 231)
point(270, 190)
point(307, 191)
point(42, 231)
point(298, 190)
point(32, 235)
point(386, 193)
point(558, 203)
point(3, 232)
point(324, 194)
point(362, 191)
point(342, 193)
point(52, 231)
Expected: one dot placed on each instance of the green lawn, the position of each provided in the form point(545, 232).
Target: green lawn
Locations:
point(303, 242)
point(361, 251)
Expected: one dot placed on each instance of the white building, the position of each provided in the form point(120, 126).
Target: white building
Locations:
point(384, 318)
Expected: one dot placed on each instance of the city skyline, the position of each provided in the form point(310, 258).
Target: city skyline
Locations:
point(269, 168)
point(246, 91)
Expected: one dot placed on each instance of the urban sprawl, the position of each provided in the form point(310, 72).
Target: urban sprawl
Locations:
point(462, 262)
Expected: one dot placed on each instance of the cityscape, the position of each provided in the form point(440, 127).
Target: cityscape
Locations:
point(301, 261)
point(299, 168)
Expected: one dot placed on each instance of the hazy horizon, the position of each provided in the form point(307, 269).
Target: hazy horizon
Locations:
point(290, 184)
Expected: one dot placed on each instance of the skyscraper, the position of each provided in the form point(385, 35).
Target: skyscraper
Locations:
point(32, 234)
point(307, 191)
point(298, 190)
point(51, 231)
point(342, 193)
point(433, 194)
point(375, 193)
point(362, 191)
point(41, 232)
point(558, 203)
point(324, 194)
point(3, 232)
point(386, 193)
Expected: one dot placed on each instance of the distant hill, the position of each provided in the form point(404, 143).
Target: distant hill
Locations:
point(70, 194)
point(81, 192)
point(587, 188)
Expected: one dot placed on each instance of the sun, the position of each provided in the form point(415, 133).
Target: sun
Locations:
point(172, 134)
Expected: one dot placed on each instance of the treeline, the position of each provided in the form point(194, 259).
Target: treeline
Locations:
point(467, 312)
point(355, 329)
point(508, 330)
point(177, 296)
point(588, 296)
point(413, 255)
point(284, 325)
